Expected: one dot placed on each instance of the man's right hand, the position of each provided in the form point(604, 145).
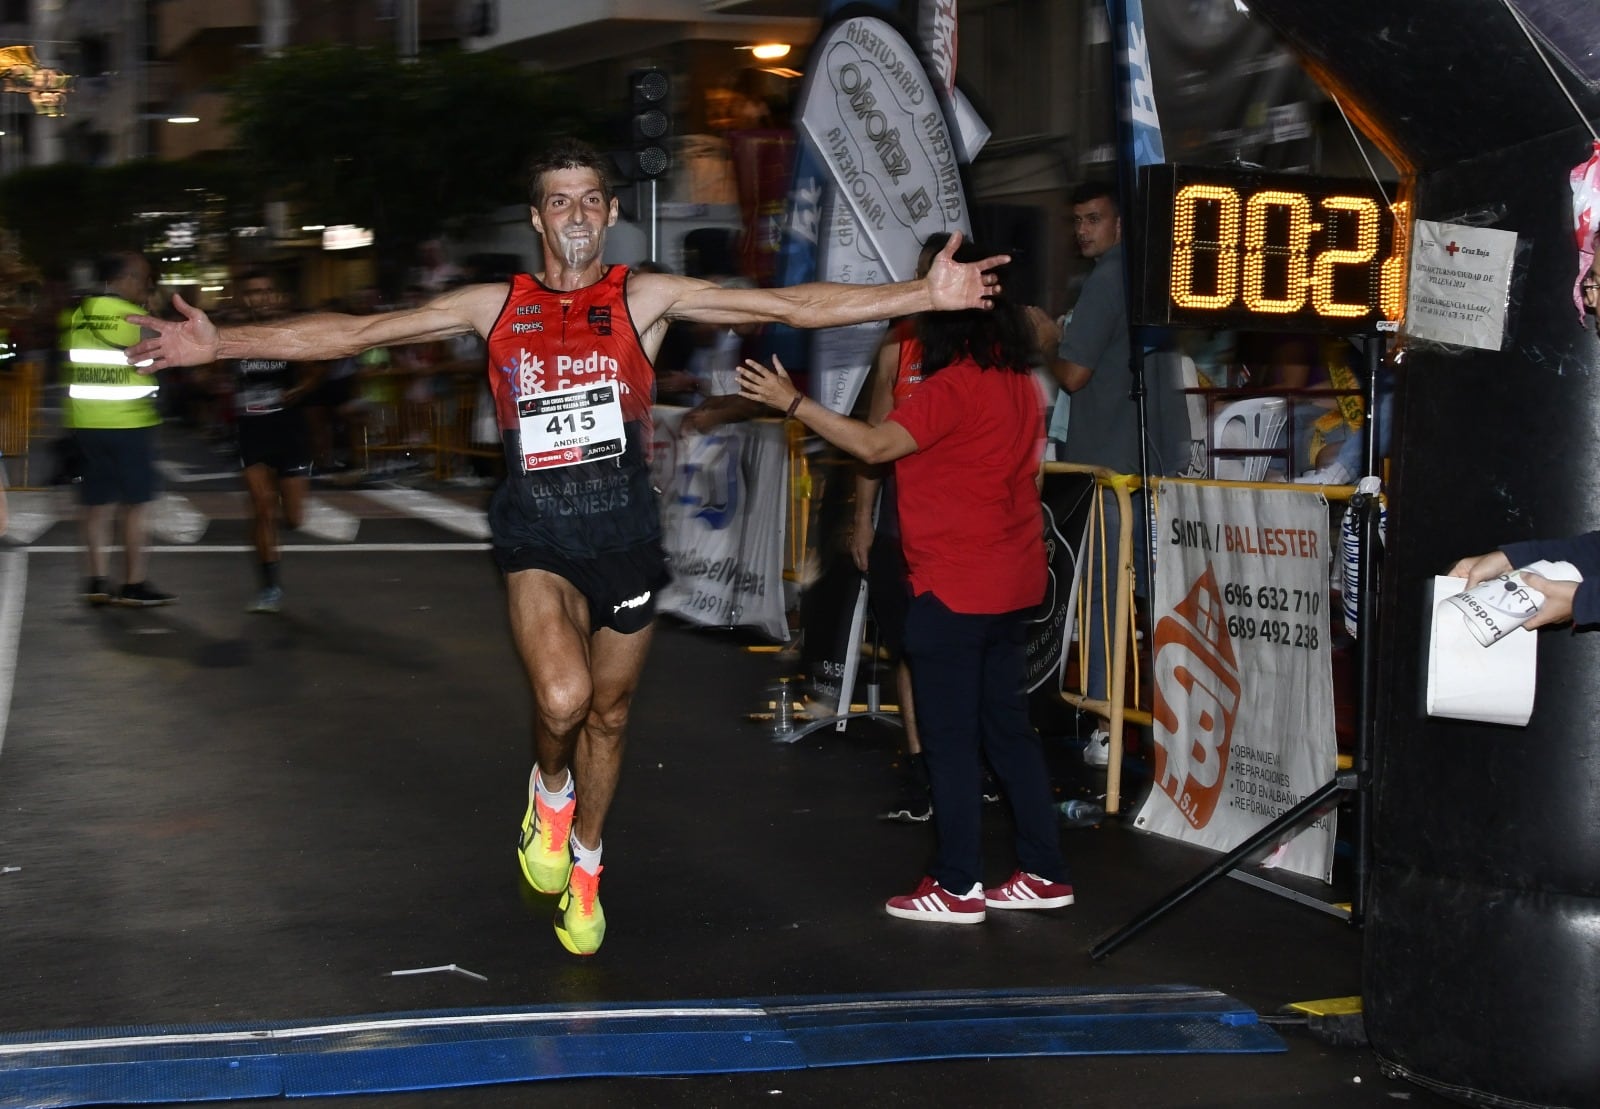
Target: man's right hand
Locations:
point(191, 341)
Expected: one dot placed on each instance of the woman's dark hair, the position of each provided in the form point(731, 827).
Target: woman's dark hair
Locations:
point(995, 338)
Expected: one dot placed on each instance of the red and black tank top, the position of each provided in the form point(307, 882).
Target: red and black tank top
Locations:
point(572, 389)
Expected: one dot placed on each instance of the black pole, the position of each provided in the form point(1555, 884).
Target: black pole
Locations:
point(1293, 818)
point(1368, 503)
point(1127, 202)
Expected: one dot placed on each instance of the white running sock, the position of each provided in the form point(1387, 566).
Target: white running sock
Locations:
point(586, 857)
point(556, 799)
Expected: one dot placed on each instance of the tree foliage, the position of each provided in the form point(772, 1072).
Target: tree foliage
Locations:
point(63, 213)
point(357, 135)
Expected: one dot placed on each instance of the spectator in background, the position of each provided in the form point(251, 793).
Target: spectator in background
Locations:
point(434, 273)
point(274, 443)
point(111, 409)
point(1092, 365)
point(875, 534)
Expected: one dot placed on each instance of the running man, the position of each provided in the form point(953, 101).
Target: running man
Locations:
point(274, 440)
point(576, 525)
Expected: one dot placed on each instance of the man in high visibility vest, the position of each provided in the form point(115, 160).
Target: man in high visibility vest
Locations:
point(111, 410)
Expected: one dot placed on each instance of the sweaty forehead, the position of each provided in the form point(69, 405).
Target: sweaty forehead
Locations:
point(574, 182)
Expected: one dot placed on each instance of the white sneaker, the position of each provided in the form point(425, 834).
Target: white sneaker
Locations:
point(1097, 752)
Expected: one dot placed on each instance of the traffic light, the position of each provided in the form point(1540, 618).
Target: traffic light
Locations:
point(650, 124)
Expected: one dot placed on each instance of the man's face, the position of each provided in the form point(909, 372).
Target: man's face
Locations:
point(261, 297)
point(1096, 226)
point(1591, 294)
point(574, 215)
point(134, 284)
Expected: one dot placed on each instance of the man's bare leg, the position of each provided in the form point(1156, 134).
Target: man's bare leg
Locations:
point(262, 482)
point(292, 492)
point(97, 520)
point(615, 663)
point(583, 687)
point(136, 541)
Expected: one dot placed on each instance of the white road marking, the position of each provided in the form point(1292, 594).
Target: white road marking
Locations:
point(327, 522)
point(440, 511)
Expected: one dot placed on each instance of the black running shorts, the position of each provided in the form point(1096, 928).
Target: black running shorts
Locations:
point(278, 440)
point(621, 586)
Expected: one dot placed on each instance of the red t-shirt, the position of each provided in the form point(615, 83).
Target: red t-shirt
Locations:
point(970, 521)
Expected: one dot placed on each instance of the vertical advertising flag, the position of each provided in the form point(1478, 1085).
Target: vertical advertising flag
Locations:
point(1141, 123)
point(796, 261)
point(872, 116)
point(936, 34)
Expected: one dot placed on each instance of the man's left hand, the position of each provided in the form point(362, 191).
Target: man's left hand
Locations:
point(955, 285)
point(191, 342)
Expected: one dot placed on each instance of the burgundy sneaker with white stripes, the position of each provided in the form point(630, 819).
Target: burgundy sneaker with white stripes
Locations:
point(931, 901)
point(1028, 891)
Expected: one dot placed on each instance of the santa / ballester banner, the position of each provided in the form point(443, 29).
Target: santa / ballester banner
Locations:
point(1243, 697)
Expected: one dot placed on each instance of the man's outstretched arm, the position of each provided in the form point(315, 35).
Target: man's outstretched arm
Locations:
point(950, 285)
point(195, 340)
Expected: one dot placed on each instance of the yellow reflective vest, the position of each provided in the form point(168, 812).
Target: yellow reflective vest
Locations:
point(103, 390)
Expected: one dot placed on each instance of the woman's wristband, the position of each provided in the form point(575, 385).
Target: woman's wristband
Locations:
point(793, 406)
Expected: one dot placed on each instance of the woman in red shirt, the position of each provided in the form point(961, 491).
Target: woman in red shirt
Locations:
point(966, 445)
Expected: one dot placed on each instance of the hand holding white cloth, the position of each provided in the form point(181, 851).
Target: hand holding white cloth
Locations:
point(1468, 681)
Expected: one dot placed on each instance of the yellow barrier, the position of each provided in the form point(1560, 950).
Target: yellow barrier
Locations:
point(438, 430)
point(19, 394)
point(1121, 705)
point(799, 505)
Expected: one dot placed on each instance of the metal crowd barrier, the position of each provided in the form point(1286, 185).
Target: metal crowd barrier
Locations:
point(1124, 679)
point(19, 402)
point(440, 431)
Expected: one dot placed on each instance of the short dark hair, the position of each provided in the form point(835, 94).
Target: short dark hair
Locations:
point(109, 267)
point(1094, 190)
point(567, 154)
point(256, 273)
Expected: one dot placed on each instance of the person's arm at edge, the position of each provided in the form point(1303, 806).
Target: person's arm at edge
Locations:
point(1563, 600)
point(316, 337)
point(884, 443)
point(1582, 602)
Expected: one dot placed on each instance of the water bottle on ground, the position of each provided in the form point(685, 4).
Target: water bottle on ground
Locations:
point(1078, 813)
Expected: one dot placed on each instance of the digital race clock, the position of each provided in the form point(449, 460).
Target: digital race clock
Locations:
point(1237, 248)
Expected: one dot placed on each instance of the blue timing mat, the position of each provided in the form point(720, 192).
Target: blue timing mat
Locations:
point(474, 1047)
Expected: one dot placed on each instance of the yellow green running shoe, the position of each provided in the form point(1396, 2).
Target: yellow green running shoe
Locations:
point(542, 850)
point(580, 921)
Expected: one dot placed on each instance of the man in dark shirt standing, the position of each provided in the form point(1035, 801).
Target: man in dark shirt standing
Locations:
point(1101, 417)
